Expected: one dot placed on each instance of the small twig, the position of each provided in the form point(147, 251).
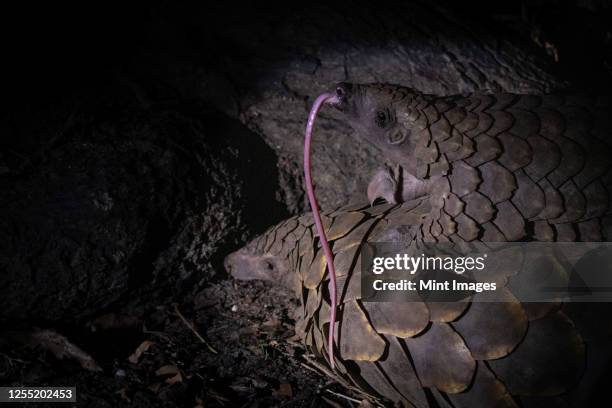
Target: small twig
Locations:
point(217, 397)
point(330, 402)
point(158, 333)
point(306, 366)
point(319, 368)
point(346, 397)
point(218, 329)
point(13, 359)
point(335, 378)
point(14, 153)
point(190, 326)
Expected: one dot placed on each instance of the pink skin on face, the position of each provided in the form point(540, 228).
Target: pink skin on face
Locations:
point(329, 257)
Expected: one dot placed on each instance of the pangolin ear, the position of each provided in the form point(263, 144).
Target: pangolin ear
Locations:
point(398, 136)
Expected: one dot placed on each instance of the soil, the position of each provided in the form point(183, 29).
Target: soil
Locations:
point(255, 362)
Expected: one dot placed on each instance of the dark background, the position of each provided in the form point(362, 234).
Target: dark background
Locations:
point(139, 145)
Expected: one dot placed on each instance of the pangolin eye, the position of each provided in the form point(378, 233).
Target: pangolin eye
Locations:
point(381, 118)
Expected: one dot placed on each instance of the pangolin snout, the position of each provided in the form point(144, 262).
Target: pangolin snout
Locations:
point(238, 266)
point(245, 265)
point(228, 263)
point(343, 93)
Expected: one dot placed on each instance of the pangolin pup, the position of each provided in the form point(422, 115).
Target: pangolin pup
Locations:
point(481, 168)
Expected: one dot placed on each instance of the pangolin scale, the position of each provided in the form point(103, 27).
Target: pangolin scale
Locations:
point(483, 168)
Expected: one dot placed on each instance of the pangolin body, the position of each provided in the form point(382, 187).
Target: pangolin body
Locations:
point(487, 169)
point(497, 167)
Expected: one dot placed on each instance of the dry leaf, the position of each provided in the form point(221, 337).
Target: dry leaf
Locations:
point(116, 321)
point(284, 390)
point(271, 323)
point(155, 387)
point(62, 348)
point(123, 394)
point(169, 369)
point(175, 379)
point(144, 346)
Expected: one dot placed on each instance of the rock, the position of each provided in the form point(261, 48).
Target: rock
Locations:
point(294, 55)
point(142, 205)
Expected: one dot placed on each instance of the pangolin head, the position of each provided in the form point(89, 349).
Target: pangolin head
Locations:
point(251, 263)
point(380, 114)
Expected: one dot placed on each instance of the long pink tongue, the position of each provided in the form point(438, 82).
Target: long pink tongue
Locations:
point(329, 257)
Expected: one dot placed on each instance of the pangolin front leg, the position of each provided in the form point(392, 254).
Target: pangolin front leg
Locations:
point(395, 185)
point(385, 185)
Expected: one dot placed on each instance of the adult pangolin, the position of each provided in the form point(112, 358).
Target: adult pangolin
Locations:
point(483, 168)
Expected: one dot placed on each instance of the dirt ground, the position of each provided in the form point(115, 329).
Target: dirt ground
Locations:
point(248, 357)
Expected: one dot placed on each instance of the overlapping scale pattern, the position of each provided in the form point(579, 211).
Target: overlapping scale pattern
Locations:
point(470, 354)
point(503, 168)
